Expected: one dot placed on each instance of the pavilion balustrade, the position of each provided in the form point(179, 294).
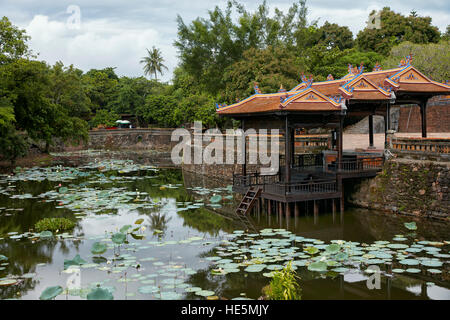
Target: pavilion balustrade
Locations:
point(326, 186)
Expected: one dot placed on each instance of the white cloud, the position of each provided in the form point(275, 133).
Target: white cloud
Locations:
point(97, 44)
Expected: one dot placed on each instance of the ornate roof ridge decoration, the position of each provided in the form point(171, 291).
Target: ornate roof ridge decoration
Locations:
point(257, 89)
point(330, 77)
point(311, 96)
point(362, 84)
point(252, 97)
point(377, 67)
point(407, 61)
point(395, 79)
point(282, 89)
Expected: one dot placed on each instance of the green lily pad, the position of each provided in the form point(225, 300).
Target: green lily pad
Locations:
point(51, 293)
point(46, 234)
point(118, 238)
point(215, 199)
point(100, 294)
point(148, 289)
point(410, 225)
point(205, 293)
point(76, 261)
point(318, 266)
point(333, 248)
point(99, 248)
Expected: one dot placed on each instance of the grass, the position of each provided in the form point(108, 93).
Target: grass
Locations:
point(54, 224)
point(284, 285)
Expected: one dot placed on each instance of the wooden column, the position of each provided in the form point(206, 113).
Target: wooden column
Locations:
point(296, 209)
point(371, 145)
point(287, 152)
point(288, 210)
point(423, 114)
point(340, 143)
point(269, 207)
point(244, 147)
point(316, 212)
point(388, 117)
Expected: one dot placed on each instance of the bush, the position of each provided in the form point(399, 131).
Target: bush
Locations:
point(54, 225)
point(284, 285)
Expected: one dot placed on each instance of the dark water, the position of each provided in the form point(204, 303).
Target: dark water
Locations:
point(162, 261)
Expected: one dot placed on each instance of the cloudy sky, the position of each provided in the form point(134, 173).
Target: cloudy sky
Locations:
point(117, 32)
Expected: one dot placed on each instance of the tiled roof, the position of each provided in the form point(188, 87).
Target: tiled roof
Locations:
point(325, 95)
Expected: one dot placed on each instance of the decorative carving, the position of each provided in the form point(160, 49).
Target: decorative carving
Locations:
point(377, 67)
point(330, 77)
point(256, 87)
point(311, 96)
point(407, 61)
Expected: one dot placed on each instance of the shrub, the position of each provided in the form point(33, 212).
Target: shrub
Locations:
point(54, 225)
point(284, 285)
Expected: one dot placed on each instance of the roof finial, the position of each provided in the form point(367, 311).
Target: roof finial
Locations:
point(407, 61)
point(256, 87)
point(330, 77)
point(377, 67)
point(282, 89)
point(361, 67)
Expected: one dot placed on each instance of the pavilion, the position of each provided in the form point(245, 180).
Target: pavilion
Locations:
point(325, 104)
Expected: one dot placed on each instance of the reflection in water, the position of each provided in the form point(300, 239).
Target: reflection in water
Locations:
point(158, 223)
point(165, 203)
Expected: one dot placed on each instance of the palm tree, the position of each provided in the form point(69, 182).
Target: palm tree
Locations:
point(153, 63)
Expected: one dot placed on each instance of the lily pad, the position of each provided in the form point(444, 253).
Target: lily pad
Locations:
point(410, 225)
point(318, 266)
point(100, 294)
point(99, 248)
point(118, 238)
point(51, 293)
point(76, 261)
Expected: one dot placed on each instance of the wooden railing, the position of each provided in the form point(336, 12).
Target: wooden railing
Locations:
point(304, 160)
point(326, 186)
point(421, 145)
point(254, 179)
point(360, 165)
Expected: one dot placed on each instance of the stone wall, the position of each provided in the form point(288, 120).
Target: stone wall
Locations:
point(124, 139)
point(412, 187)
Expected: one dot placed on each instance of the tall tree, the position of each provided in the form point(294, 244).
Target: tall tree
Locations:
point(433, 59)
point(207, 46)
point(394, 29)
point(154, 63)
point(13, 42)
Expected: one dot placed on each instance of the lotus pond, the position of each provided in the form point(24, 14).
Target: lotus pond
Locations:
point(148, 233)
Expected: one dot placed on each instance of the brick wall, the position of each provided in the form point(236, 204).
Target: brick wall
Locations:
point(438, 116)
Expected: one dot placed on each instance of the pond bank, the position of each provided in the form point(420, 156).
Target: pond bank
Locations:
point(410, 187)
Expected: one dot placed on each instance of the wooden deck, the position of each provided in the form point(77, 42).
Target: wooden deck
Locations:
point(311, 178)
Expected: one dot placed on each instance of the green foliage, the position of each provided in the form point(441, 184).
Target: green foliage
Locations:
point(284, 285)
point(209, 46)
point(105, 118)
point(322, 61)
point(271, 68)
point(54, 225)
point(12, 42)
point(159, 109)
point(396, 28)
point(12, 144)
point(100, 86)
point(433, 59)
